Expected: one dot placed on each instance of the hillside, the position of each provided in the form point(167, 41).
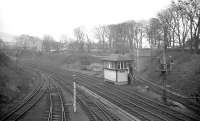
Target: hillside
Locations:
point(14, 81)
point(185, 75)
point(7, 37)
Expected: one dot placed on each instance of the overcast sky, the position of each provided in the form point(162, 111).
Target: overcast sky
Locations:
point(58, 17)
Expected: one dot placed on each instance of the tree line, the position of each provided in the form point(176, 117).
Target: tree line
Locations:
point(179, 23)
point(180, 20)
point(47, 43)
point(116, 37)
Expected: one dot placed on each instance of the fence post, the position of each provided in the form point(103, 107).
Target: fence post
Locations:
point(74, 92)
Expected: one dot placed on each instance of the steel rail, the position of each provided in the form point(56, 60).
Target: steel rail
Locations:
point(87, 105)
point(159, 106)
point(58, 92)
point(26, 105)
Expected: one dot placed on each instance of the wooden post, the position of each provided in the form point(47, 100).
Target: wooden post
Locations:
point(137, 60)
point(164, 71)
point(74, 92)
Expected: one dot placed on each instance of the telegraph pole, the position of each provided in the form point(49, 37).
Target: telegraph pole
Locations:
point(164, 66)
point(137, 60)
point(74, 92)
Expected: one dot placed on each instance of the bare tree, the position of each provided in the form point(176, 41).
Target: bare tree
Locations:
point(80, 37)
point(139, 35)
point(167, 17)
point(154, 32)
point(122, 37)
point(191, 9)
point(130, 33)
point(102, 33)
point(181, 24)
point(119, 37)
point(48, 43)
point(88, 44)
point(64, 41)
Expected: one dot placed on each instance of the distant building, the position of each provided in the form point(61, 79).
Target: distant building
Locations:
point(29, 42)
point(117, 68)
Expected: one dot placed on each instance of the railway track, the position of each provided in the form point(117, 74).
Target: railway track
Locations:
point(158, 89)
point(22, 99)
point(18, 111)
point(95, 110)
point(57, 110)
point(98, 111)
point(138, 106)
point(125, 104)
point(143, 102)
point(92, 113)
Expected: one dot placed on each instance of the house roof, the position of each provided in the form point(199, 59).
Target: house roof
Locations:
point(118, 57)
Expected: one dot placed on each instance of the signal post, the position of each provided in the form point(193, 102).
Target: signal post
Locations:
point(74, 93)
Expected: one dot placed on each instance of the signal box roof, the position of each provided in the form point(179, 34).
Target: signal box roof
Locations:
point(119, 57)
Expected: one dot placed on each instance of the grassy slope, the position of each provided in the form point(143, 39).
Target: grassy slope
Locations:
point(185, 75)
point(79, 60)
point(14, 81)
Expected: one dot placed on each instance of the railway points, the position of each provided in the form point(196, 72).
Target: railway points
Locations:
point(56, 107)
point(143, 108)
point(164, 109)
point(25, 105)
